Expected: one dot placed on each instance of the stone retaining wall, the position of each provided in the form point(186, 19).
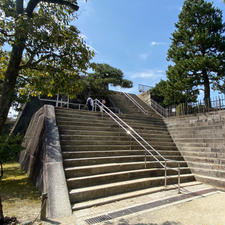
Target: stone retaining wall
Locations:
point(42, 161)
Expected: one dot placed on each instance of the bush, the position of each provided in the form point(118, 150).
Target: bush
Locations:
point(10, 146)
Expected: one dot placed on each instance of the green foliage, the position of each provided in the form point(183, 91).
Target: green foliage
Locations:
point(104, 74)
point(55, 55)
point(158, 93)
point(10, 146)
point(197, 50)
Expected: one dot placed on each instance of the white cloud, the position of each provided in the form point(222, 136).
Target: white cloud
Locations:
point(151, 73)
point(156, 43)
point(143, 56)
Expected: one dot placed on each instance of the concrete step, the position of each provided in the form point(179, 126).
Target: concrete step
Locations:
point(89, 170)
point(106, 119)
point(199, 140)
point(210, 173)
point(102, 135)
point(132, 194)
point(206, 160)
point(112, 159)
point(201, 145)
point(204, 154)
point(101, 131)
point(87, 154)
point(68, 147)
point(190, 128)
point(89, 193)
point(93, 180)
point(205, 165)
point(112, 142)
point(216, 182)
point(110, 124)
point(122, 138)
point(201, 135)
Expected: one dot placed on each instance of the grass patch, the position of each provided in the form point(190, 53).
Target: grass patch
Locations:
point(16, 184)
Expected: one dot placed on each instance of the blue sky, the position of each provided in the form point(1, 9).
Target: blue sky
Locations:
point(132, 35)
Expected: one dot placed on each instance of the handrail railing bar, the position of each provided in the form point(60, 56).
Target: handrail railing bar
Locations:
point(108, 111)
point(131, 135)
point(135, 102)
point(135, 133)
point(164, 159)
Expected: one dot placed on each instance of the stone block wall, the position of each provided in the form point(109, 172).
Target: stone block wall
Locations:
point(201, 141)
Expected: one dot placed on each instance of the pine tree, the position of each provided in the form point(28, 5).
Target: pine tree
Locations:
point(198, 49)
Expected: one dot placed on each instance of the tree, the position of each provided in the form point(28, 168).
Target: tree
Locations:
point(40, 51)
point(169, 92)
point(158, 92)
point(104, 74)
point(198, 49)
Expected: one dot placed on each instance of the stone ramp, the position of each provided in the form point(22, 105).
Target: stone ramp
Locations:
point(102, 162)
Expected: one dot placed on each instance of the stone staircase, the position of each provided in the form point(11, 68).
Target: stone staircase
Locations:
point(127, 107)
point(201, 142)
point(103, 164)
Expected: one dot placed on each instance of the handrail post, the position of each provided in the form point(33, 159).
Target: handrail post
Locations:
point(165, 174)
point(57, 100)
point(179, 178)
point(145, 160)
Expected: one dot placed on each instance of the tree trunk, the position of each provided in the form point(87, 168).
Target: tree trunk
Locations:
point(206, 90)
point(1, 212)
point(10, 81)
point(1, 209)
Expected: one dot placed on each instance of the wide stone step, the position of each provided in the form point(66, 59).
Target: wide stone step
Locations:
point(114, 147)
point(107, 119)
point(102, 131)
point(121, 137)
point(205, 165)
point(207, 172)
point(131, 194)
point(114, 167)
point(175, 129)
point(113, 142)
point(89, 193)
point(218, 182)
point(201, 145)
point(199, 140)
point(87, 154)
point(204, 154)
point(99, 125)
point(206, 160)
point(112, 159)
point(105, 135)
point(93, 180)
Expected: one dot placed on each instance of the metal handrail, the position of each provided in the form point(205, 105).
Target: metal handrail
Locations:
point(135, 102)
point(128, 129)
point(158, 108)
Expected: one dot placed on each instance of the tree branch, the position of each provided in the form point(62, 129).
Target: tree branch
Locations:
point(19, 7)
point(33, 3)
point(73, 6)
point(31, 6)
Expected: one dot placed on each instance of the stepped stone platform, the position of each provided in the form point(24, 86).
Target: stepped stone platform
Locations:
point(86, 159)
point(101, 162)
point(201, 140)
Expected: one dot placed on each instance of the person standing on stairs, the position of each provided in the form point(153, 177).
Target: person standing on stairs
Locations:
point(90, 103)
